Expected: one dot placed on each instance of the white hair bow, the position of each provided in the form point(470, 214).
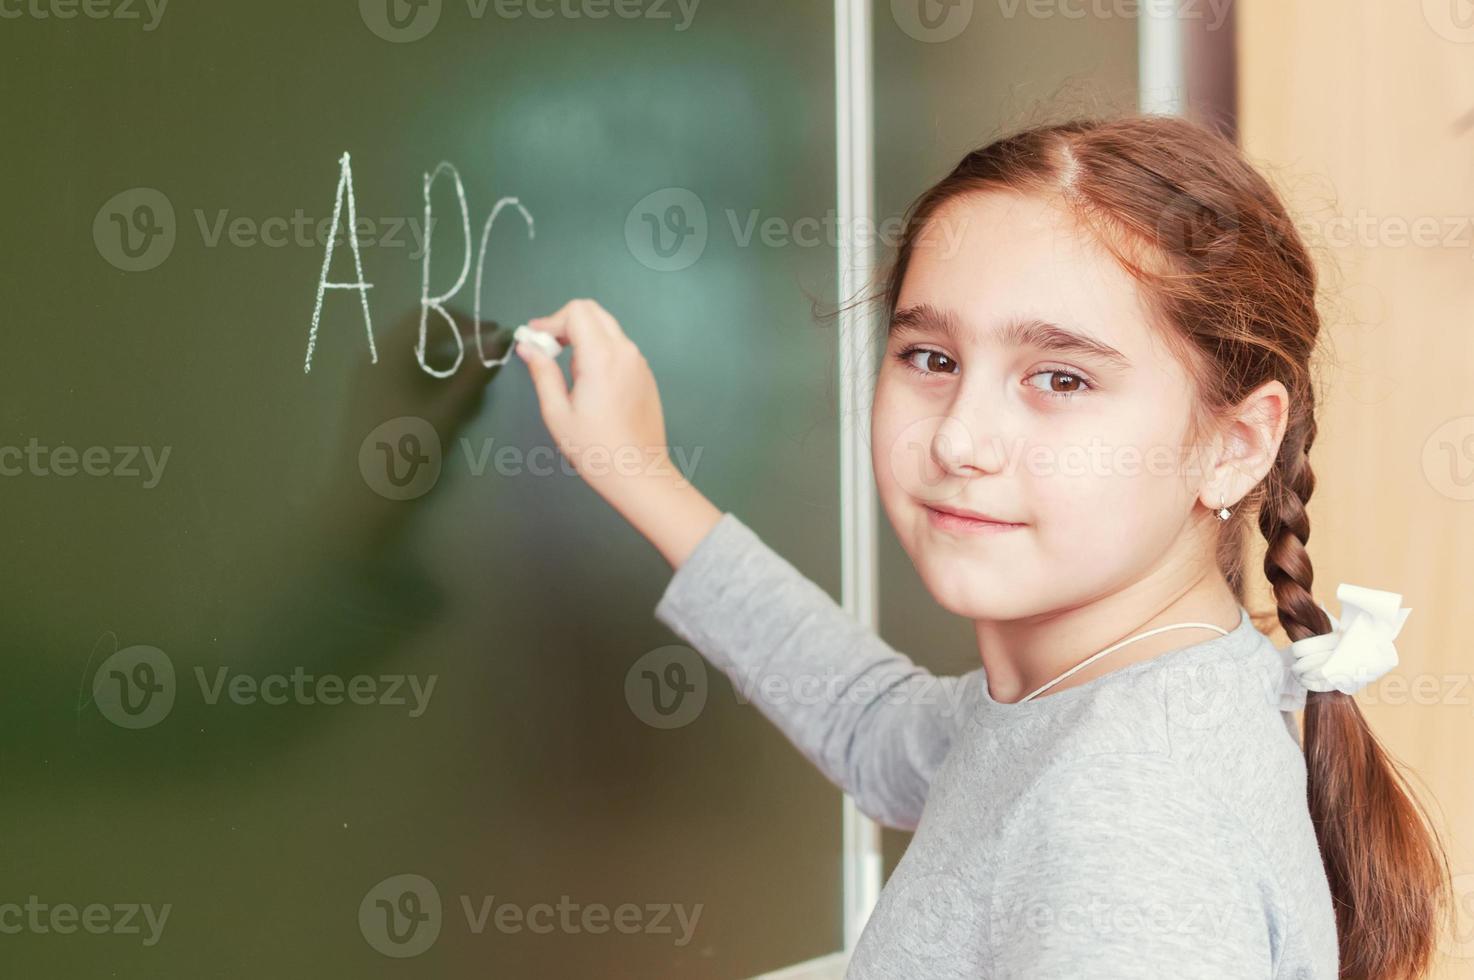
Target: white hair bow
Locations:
point(1356, 652)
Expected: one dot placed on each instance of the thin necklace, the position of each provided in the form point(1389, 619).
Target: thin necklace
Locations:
point(1111, 649)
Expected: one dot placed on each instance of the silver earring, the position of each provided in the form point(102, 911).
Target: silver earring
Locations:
point(1223, 512)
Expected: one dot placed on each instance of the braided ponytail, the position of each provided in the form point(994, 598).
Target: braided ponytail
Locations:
point(1377, 844)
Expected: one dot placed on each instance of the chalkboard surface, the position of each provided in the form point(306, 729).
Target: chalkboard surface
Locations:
point(339, 672)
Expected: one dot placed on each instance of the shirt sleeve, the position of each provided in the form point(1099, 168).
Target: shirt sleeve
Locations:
point(1122, 867)
point(876, 724)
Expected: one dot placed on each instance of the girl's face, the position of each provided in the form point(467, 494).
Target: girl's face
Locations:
point(1022, 380)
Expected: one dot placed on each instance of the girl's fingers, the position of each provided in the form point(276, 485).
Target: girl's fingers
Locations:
point(595, 340)
point(547, 381)
point(606, 320)
point(560, 327)
point(580, 324)
point(597, 317)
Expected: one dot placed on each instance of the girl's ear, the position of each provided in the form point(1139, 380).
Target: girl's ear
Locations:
point(1250, 443)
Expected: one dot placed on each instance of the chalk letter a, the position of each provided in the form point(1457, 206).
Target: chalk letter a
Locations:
point(345, 189)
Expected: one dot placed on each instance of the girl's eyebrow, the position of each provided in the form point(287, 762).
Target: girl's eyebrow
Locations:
point(1027, 332)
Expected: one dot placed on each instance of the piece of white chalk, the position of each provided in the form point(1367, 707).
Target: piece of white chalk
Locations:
point(545, 342)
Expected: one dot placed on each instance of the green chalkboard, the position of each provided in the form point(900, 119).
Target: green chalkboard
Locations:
point(338, 672)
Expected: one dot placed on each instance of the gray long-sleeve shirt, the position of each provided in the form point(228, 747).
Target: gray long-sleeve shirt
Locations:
point(1151, 822)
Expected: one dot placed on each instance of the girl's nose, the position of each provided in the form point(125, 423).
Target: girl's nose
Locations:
point(962, 448)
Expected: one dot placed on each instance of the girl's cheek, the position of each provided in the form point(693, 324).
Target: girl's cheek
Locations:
point(900, 438)
point(882, 434)
point(1110, 517)
point(1076, 504)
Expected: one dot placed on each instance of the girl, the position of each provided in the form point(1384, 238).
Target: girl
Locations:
point(1096, 368)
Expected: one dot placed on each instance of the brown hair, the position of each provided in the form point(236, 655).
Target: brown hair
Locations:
point(1220, 263)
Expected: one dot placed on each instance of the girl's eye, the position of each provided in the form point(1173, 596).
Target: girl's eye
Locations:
point(1064, 384)
point(925, 360)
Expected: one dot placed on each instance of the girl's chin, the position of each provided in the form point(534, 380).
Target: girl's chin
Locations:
point(965, 588)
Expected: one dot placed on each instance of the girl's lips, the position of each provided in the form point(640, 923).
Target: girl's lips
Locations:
point(955, 522)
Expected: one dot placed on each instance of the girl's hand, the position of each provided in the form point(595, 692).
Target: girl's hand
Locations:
point(611, 427)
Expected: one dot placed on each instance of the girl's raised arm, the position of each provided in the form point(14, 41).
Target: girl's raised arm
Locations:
point(875, 723)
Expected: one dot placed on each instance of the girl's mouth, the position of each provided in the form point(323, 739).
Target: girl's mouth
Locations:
point(945, 519)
